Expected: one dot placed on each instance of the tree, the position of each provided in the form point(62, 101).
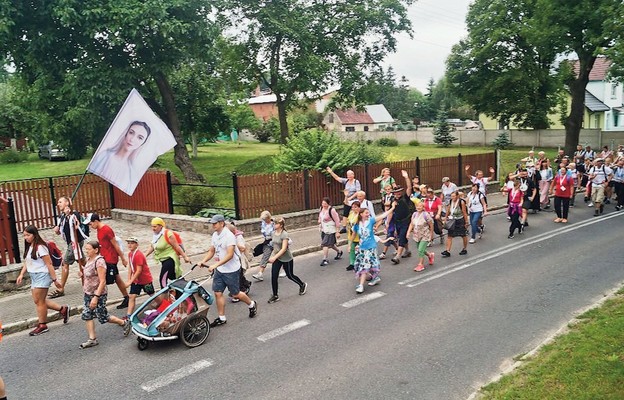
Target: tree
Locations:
point(302, 48)
point(442, 132)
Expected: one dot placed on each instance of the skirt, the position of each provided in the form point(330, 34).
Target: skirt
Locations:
point(459, 229)
point(328, 239)
point(366, 261)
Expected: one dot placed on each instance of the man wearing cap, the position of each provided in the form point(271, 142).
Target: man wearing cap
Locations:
point(600, 175)
point(402, 217)
point(226, 269)
point(110, 250)
point(139, 274)
point(448, 187)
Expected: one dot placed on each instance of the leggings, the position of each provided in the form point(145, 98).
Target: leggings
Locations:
point(288, 268)
point(562, 206)
point(352, 253)
point(619, 192)
point(422, 248)
point(474, 222)
point(514, 211)
point(167, 271)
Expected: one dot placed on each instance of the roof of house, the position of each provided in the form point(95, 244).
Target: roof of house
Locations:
point(379, 114)
point(593, 104)
point(599, 70)
point(373, 114)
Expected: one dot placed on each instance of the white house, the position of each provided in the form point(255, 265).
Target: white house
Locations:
point(609, 93)
point(374, 118)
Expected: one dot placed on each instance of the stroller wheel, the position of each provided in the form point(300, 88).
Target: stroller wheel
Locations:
point(142, 344)
point(194, 331)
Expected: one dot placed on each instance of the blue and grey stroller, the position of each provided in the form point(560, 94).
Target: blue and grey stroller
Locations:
point(177, 311)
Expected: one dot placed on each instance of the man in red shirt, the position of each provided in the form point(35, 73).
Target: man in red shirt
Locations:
point(433, 205)
point(110, 250)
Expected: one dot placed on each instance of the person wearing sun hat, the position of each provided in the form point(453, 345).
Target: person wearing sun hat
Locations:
point(139, 274)
point(166, 251)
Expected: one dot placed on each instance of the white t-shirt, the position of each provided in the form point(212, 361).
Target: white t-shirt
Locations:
point(483, 182)
point(38, 265)
point(221, 242)
point(474, 202)
point(446, 192)
point(601, 175)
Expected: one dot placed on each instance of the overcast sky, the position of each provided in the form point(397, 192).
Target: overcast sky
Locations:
point(437, 26)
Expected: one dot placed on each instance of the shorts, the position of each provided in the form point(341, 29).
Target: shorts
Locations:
point(40, 280)
point(401, 230)
point(597, 194)
point(328, 239)
point(136, 288)
point(346, 210)
point(100, 311)
point(526, 204)
point(111, 273)
point(68, 257)
point(229, 280)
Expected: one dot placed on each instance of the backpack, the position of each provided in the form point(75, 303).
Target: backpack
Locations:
point(120, 243)
point(177, 237)
point(55, 254)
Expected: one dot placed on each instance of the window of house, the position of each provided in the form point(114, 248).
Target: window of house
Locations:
point(366, 129)
point(616, 117)
point(597, 121)
point(614, 90)
point(349, 128)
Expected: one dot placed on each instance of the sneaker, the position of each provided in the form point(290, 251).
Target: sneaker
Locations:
point(343, 230)
point(253, 310)
point(273, 299)
point(41, 328)
point(258, 277)
point(382, 256)
point(471, 241)
point(431, 258)
point(359, 289)
point(65, 313)
point(406, 255)
point(596, 213)
point(218, 321)
point(525, 224)
point(324, 263)
point(482, 228)
point(282, 274)
point(590, 204)
point(234, 300)
point(395, 260)
point(511, 236)
point(351, 267)
point(303, 289)
point(124, 304)
point(419, 268)
point(89, 343)
point(463, 252)
point(508, 218)
point(607, 201)
point(374, 281)
point(338, 255)
point(547, 206)
point(521, 229)
point(445, 254)
point(127, 326)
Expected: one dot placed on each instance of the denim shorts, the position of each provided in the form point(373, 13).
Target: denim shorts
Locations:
point(40, 280)
point(100, 312)
point(229, 280)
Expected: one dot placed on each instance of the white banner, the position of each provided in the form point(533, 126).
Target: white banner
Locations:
point(132, 143)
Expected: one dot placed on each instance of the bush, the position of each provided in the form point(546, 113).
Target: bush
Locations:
point(269, 129)
point(502, 141)
point(387, 142)
point(209, 212)
point(13, 157)
point(414, 143)
point(192, 199)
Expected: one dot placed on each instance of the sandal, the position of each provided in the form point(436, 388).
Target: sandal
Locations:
point(89, 343)
point(56, 294)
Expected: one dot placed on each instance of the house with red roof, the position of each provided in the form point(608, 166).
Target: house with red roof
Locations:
point(373, 117)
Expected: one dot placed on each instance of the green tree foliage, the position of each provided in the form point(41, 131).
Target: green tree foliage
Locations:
point(442, 132)
point(300, 47)
point(316, 149)
point(502, 141)
point(267, 130)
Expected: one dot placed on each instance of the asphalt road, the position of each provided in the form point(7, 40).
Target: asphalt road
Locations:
point(439, 334)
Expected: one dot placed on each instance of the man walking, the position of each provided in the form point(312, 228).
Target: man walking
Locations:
point(600, 175)
point(402, 217)
point(110, 250)
point(226, 269)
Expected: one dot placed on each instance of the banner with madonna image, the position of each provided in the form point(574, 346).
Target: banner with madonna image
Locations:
point(132, 143)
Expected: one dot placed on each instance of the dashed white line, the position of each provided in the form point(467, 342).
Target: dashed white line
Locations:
point(175, 375)
point(363, 299)
point(283, 330)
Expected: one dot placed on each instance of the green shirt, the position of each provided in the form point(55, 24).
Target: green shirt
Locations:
point(277, 246)
point(163, 250)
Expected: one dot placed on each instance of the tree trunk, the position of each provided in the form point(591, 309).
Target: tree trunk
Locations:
point(281, 113)
point(181, 156)
point(574, 121)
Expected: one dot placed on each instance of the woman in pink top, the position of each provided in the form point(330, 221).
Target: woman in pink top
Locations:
point(329, 225)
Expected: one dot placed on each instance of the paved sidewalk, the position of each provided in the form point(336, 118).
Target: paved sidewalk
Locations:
point(17, 310)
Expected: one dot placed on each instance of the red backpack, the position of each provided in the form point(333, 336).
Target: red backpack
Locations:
point(55, 254)
point(177, 238)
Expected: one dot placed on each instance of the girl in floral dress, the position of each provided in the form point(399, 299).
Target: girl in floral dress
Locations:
point(422, 226)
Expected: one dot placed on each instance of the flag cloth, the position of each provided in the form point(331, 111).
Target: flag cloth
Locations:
point(132, 143)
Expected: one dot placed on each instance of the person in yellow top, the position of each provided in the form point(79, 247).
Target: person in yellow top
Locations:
point(352, 237)
point(167, 251)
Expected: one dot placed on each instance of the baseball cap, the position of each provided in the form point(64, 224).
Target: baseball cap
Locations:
point(91, 217)
point(132, 239)
point(446, 179)
point(599, 159)
point(217, 218)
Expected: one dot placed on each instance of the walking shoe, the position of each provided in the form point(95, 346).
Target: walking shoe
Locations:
point(41, 328)
point(374, 281)
point(359, 289)
point(324, 263)
point(65, 313)
point(89, 343)
point(618, 208)
point(382, 256)
point(431, 258)
point(590, 204)
point(127, 326)
point(350, 267)
point(395, 260)
point(482, 228)
point(445, 254)
point(253, 310)
point(419, 268)
point(471, 241)
point(547, 206)
point(343, 230)
point(258, 277)
point(303, 289)
point(218, 321)
point(596, 213)
point(463, 252)
point(234, 300)
point(511, 236)
point(607, 201)
point(406, 255)
point(124, 304)
point(525, 224)
point(338, 255)
point(273, 299)
point(601, 208)
point(282, 274)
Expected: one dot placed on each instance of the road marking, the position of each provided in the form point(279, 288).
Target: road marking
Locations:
point(501, 251)
point(363, 299)
point(283, 330)
point(175, 375)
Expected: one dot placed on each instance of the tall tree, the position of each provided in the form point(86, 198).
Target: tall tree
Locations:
point(304, 47)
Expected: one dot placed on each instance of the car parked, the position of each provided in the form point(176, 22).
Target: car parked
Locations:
point(52, 151)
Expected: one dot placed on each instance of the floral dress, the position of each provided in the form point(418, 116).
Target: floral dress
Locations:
point(421, 226)
point(366, 260)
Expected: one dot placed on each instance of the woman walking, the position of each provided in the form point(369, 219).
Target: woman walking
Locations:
point(545, 179)
point(38, 263)
point(167, 251)
point(329, 222)
point(366, 260)
point(95, 295)
point(456, 213)
point(563, 188)
point(514, 210)
point(283, 258)
point(351, 187)
point(353, 238)
point(477, 208)
point(267, 226)
point(422, 226)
